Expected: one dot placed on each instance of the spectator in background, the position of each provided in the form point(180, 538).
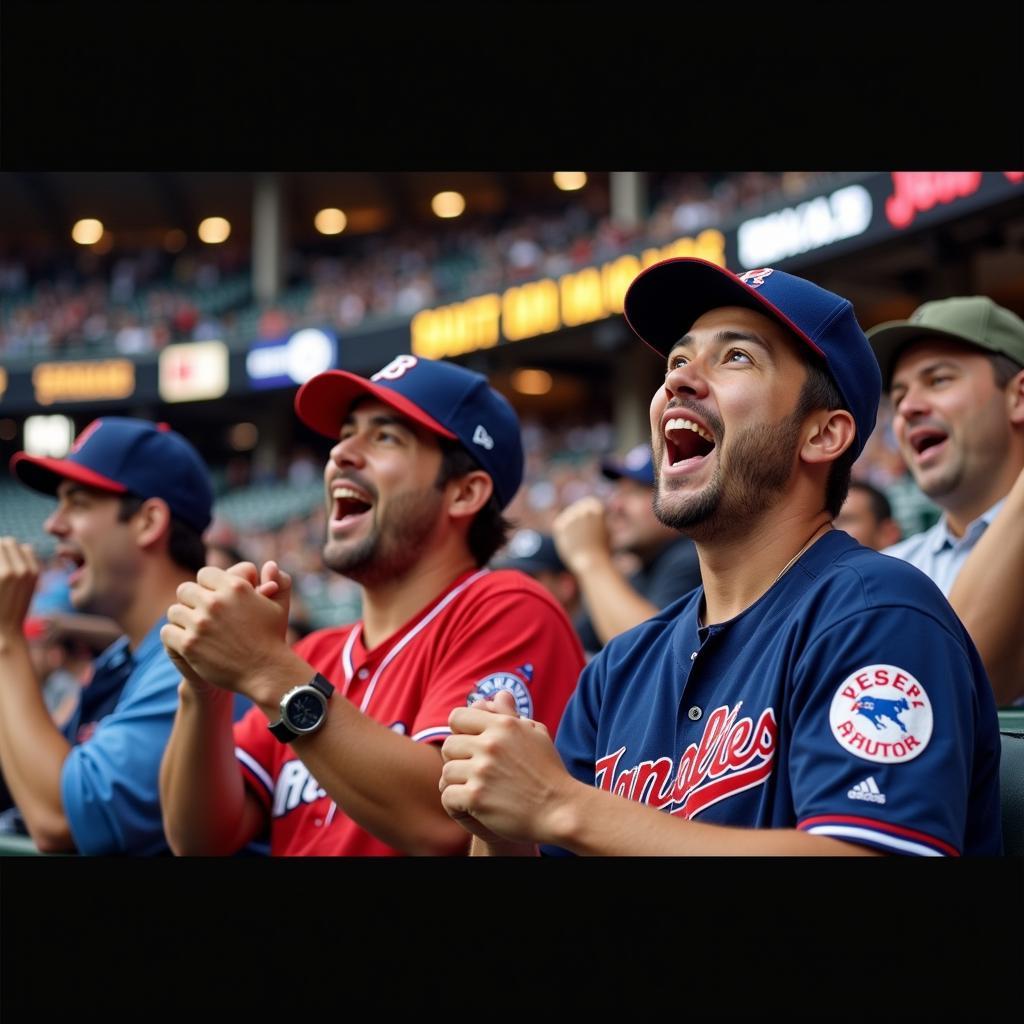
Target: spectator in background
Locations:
point(133, 500)
point(955, 371)
point(867, 517)
point(535, 554)
point(588, 540)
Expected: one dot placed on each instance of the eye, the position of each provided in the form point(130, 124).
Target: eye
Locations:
point(674, 362)
point(940, 378)
point(737, 355)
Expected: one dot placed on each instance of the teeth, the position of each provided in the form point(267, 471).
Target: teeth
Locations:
point(682, 424)
point(350, 494)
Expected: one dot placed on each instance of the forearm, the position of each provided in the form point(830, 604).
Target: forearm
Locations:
point(32, 750)
point(592, 822)
point(385, 782)
point(206, 808)
point(988, 596)
point(614, 606)
point(482, 848)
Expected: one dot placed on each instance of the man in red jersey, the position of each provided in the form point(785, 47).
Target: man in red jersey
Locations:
point(341, 755)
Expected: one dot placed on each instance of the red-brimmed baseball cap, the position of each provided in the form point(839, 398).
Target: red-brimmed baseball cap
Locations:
point(128, 456)
point(446, 399)
point(665, 300)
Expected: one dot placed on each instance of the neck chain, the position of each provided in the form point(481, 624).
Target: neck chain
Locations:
point(810, 540)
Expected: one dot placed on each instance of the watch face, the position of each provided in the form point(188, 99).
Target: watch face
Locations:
point(305, 710)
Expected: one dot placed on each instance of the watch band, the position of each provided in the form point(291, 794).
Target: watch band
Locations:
point(280, 729)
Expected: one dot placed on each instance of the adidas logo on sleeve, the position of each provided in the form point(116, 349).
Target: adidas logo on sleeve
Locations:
point(867, 790)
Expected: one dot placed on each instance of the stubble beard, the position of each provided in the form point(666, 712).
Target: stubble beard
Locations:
point(759, 464)
point(395, 543)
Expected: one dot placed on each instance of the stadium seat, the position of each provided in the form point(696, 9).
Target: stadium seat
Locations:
point(1011, 786)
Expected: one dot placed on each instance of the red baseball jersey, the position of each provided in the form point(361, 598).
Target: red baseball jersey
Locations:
point(488, 631)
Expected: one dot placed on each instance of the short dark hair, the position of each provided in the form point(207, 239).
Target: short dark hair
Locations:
point(489, 529)
point(880, 507)
point(1004, 369)
point(185, 545)
point(820, 391)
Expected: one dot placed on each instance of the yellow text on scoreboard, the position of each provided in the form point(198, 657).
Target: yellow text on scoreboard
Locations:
point(548, 305)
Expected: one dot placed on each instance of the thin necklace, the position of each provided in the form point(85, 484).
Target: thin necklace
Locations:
point(789, 565)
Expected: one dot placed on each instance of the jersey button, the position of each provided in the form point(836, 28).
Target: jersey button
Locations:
point(694, 713)
point(693, 656)
point(362, 673)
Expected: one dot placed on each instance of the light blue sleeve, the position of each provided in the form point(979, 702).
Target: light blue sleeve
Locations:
point(109, 783)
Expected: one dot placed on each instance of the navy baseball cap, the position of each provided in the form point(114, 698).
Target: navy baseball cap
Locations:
point(128, 456)
point(665, 300)
point(446, 399)
point(531, 552)
point(637, 464)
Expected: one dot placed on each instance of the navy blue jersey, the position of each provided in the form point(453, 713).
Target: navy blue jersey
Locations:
point(848, 701)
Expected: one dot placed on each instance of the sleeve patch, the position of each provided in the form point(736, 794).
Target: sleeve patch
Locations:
point(489, 686)
point(881, 713)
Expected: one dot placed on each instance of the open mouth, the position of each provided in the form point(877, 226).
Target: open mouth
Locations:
point(73, 560)
point(686, 440)
point(925, 440)
point(349, 504)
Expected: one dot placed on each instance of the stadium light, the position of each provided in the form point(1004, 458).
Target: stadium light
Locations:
point(532, 382)
point(243, 437)
point(570, 181)
point(330, 221)
point(49, 435)
point(88, 231)
point(448, 204)
point(174, 240)
point(214, 230)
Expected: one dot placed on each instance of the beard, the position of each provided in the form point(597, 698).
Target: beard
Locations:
point(758, 467)
point(396, 541)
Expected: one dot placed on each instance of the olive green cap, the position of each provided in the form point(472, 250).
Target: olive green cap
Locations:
point(968, 320)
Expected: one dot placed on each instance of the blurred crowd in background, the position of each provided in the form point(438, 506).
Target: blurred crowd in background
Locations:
point(138, 302)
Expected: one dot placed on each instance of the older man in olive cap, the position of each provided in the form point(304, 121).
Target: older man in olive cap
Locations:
point(955, 373)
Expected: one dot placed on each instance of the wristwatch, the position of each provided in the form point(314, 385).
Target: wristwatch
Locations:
point(303, 709)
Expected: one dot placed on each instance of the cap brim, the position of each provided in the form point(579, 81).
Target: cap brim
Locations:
point(611, 472)
point(322, 403)
point(45, 475)
point(889, 339)
point(666, 299)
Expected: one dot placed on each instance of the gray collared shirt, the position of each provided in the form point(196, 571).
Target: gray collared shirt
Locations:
point(937, 553)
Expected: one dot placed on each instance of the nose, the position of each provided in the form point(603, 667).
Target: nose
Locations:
point(55, 523)
point(912, 404)
point(348, 452)
point(686, 379)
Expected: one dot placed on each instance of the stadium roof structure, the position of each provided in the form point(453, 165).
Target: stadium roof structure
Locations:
point(38, 208)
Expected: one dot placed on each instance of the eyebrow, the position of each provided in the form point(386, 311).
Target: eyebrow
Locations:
point(383, 419)
point(726, 337)
point(929, 368)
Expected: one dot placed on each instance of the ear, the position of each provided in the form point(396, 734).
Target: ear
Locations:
point(151, 522)
point(1015, 399)
point(468, 494)
point(828, 433)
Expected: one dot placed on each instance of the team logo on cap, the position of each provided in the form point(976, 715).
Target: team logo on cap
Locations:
point(398, 367)
point(482, 438)
point(755, 278)
point(881, 713)
point(515, 684)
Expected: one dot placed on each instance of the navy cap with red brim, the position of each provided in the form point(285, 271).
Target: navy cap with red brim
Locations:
point(666, 299)
point(45, 475)
point(322, 403)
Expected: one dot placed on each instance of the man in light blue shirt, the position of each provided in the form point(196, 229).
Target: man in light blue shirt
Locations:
point(133, 500)
point(955, 373)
